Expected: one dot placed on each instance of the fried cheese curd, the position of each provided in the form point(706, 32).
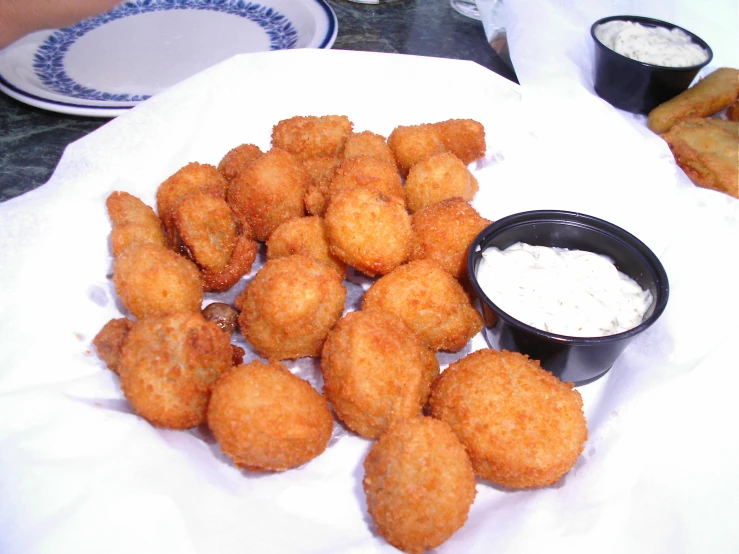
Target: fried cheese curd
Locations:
point(443, 233)
point(522, 427)
point(289, 307)
point(412, 143)
point(109, 341)
point(367, 144)
point(320, 169)
point(269, 191)
point(169, 365)
point(437, 178)
point(267, 419)
point(367, 172)
point(430, 301)
point(152, 280)
point(375, 371)
point(465, 138)
point(133, 222)
point(369, 230)
point(308, 136)
point(419, 484)
point(237, 159)
point(307, 236)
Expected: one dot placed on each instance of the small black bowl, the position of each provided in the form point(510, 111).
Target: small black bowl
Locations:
point(639, 87)
point(576, 359)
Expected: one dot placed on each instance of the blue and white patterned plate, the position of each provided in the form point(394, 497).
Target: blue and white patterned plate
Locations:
point(107, 64)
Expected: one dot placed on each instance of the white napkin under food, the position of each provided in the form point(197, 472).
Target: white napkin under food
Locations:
point(80, 473)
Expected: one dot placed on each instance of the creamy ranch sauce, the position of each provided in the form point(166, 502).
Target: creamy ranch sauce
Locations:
point(655, 45)
point(567, 292)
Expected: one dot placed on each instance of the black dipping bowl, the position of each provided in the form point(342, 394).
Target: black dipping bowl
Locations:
point(639, 87)
point(575, 359)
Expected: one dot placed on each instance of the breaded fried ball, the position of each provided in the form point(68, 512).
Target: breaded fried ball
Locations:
point(269, 191)
point(521, 425)
point(304, 235)
point(430, 301)
point(368, 172)
point(419, 484)
point(109, 341)
point(369, 230)
point(320, 169)
point(244, 254)
point(443, 233)
point(437, 178)
point(289, 307)
point(237, 159)
point(151, 280)
point(169, 365)
point(465, 138)
point(368, 145)
point(375, 371)
point(133, 222)
point(412, 143)
point(267, 419)
point(307, 136)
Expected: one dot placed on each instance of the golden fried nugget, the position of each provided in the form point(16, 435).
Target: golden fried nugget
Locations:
point(465, 138)
point(151, 280)
point(267, 419)
point(437, 178)
point(109, 341)
point(368, 144)
point(307, 136)
point(320, 169)
point(707, 150)
point(169, 365)
point(443, 232)
point(133, 222)
point(708, 96)
point(244, 254)
point(237, 159)
point(375, 371)
point(522, 426)
point(269, 191)
point(419, 484)
point(732, 112)
point(430, 301)
point(289, 307)
point(368, 172)
point(412, 143)
point(304, 235)
point(369, 230)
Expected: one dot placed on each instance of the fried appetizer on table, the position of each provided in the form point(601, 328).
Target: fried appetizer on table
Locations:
point(109, 341)
point(443, 233)
point(304, 235)
point(289, 307)
point(367, 172)
point(133, 222)
point(368, 230)
point(320, 169)
point(375, 371)
point(437, 178)
point(267, 419)
point(430, 301)
point(152, 280)
point(368, 145)
point(169, 365)
point(522, 427)
point(708, 96)
point(419, 484)
point(307, 136)
point(465, 138)
point(412, 143)
point(237, 159)
point(707, 150)
point(269, 191)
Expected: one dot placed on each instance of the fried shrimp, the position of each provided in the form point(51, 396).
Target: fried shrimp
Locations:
point(465, 138)
point(307, 136)
point(237, 159)
point(412, 143)
point(368, 145)
point(437, 178)
point(133, 222)
point(521, 426)
point(367, 172)
point(109, 341)
point(419, 484)
point(376, 371)
point(304, 235)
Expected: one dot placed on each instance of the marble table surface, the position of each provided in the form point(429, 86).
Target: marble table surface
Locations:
point(32, 140)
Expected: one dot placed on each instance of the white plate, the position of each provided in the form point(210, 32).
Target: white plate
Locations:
point(109, 63)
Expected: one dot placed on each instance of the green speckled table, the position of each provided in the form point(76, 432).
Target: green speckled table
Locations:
point(32, 140)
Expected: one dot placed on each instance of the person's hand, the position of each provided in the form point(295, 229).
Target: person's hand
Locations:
point(20, 17)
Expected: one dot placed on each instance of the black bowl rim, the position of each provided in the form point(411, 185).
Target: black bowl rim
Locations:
point(654, 23)
point(583, 220)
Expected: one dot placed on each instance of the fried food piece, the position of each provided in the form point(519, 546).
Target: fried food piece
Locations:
point(320, 169)
point(368, 172)
point(412, 143)
point(465, 138)
point(307, 136)
point(133, 222)
point(437, 178)
point(369, 230)
point(521, 426)
point(289, 307)
point(430, 301)
point(269, 191)
point(708, 96)
point(109, 340)
point(169, 366)
point(307, 236)
point(151, 280)
point(368, 144)
point(244, 254)
point(707, 150)
point(419, 484)
point(267, 419)
point(443, 233)
point(237, 159)
point(375, 371)
point(732, 112)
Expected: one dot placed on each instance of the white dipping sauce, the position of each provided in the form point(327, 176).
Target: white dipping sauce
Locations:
point(567, 292)
point(655, 45)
